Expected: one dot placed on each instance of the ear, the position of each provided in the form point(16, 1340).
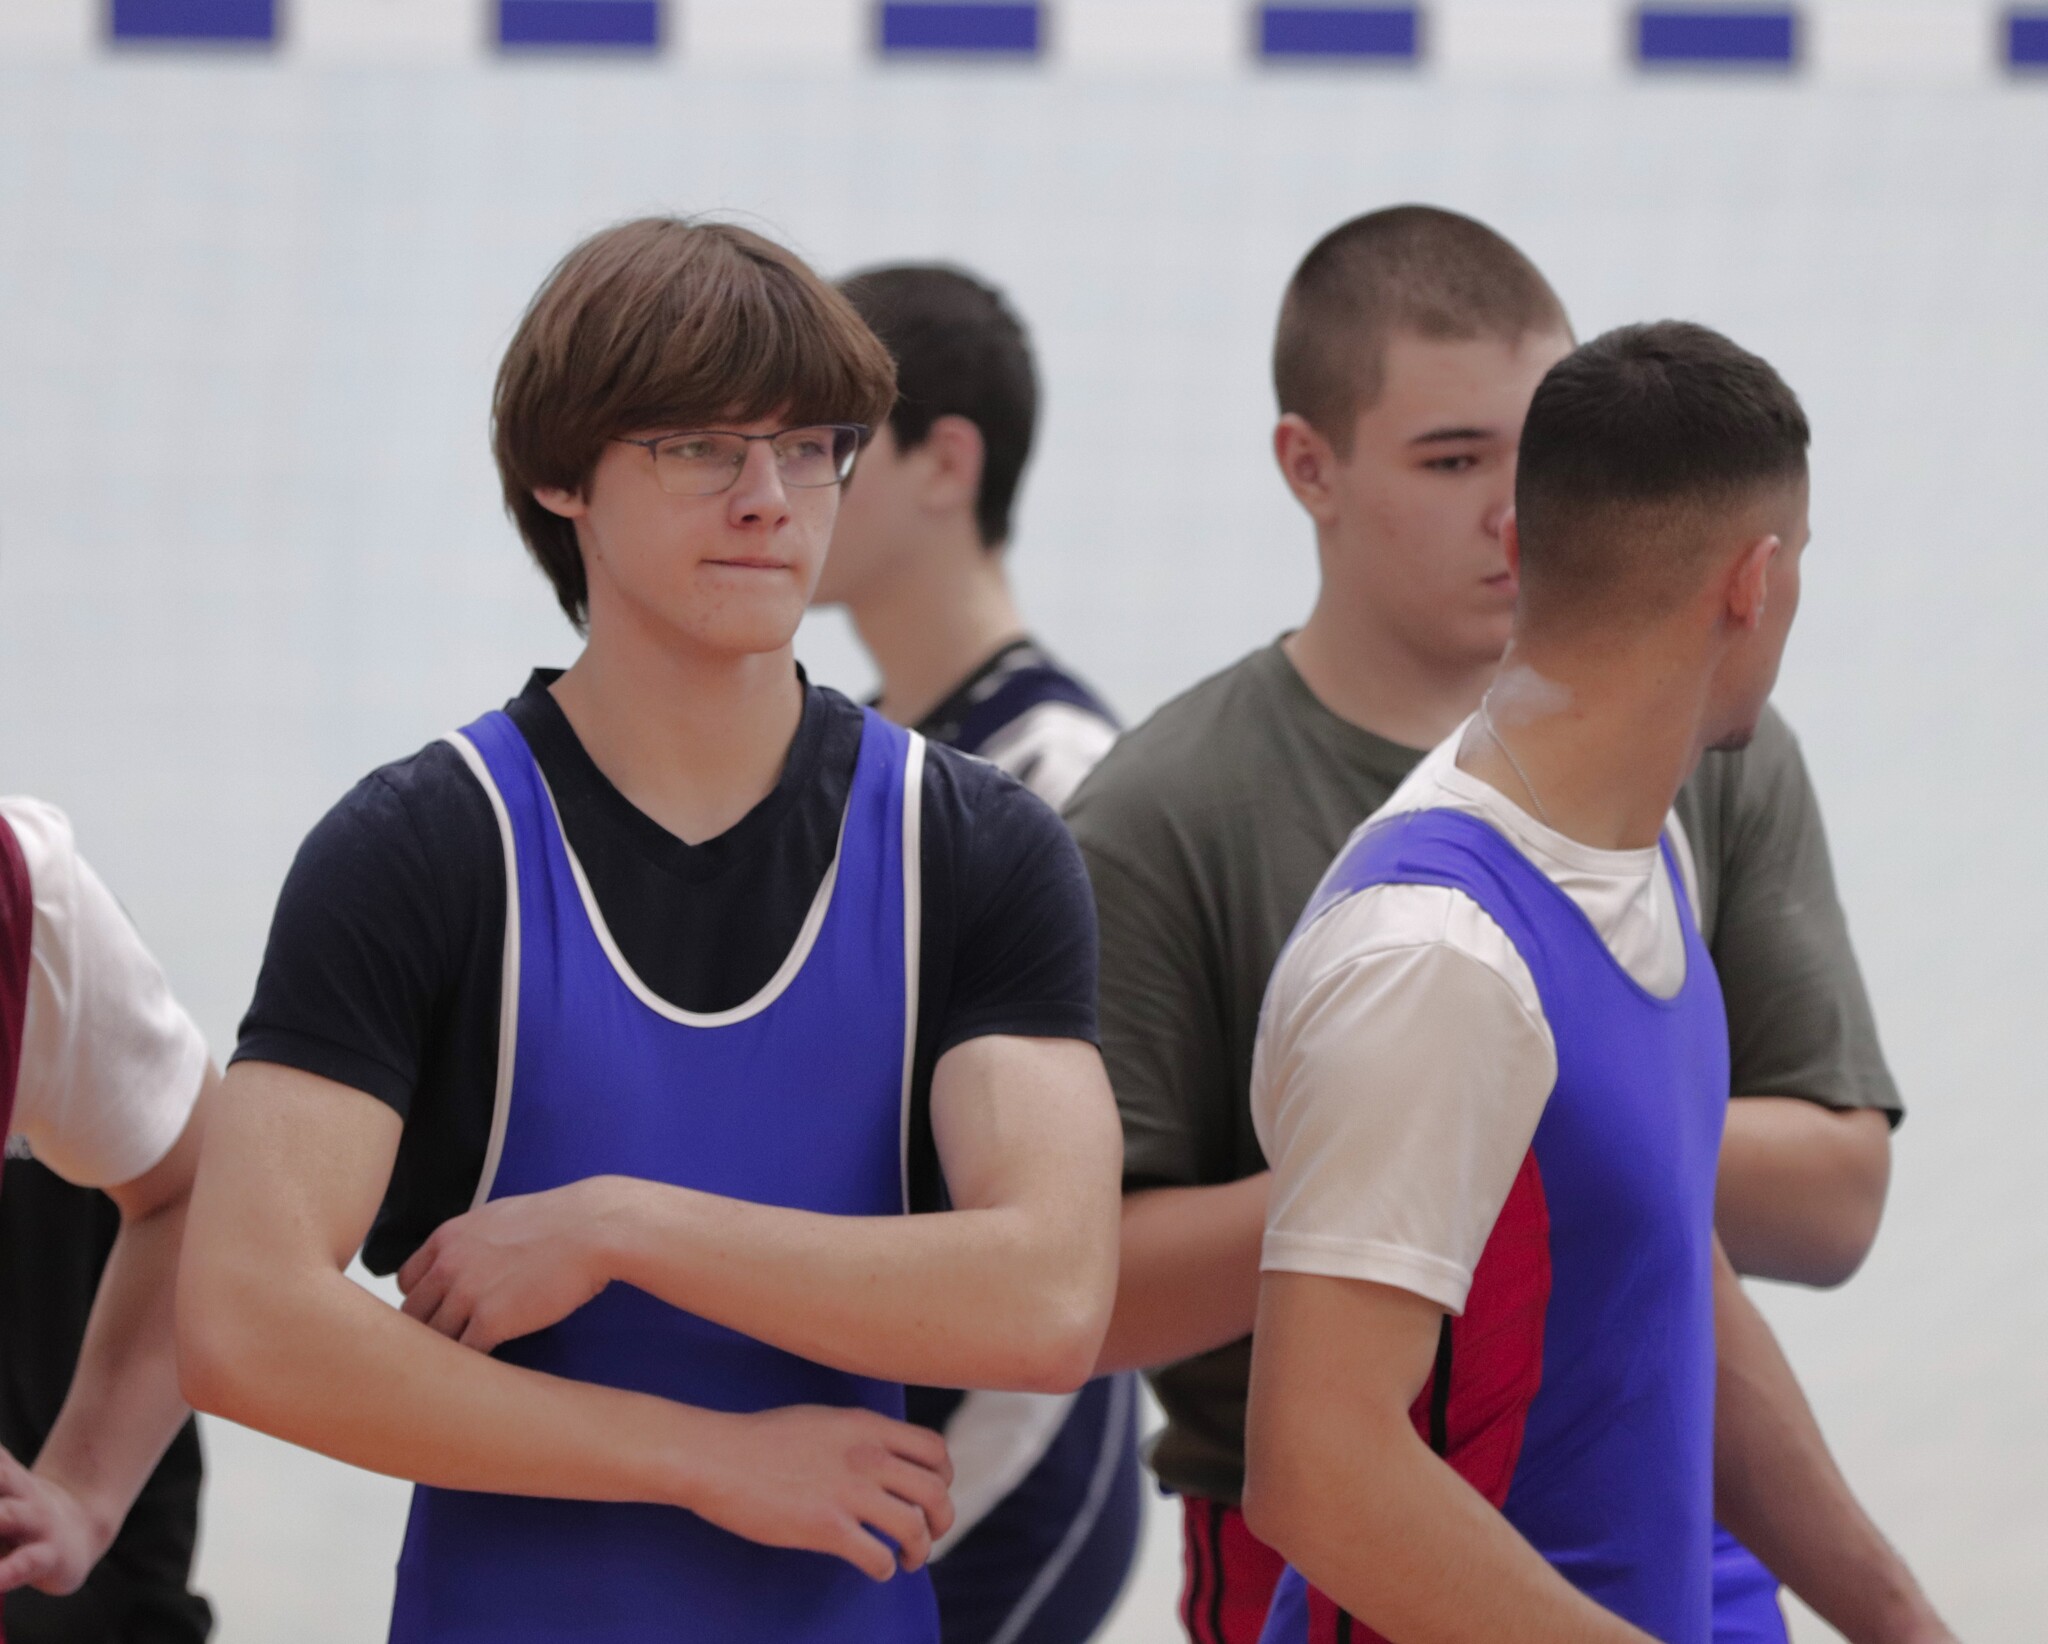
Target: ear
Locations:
point(1749, 582)
point(1307, 463)
point(954, 452)
point(1511, 543)
point(569, 504)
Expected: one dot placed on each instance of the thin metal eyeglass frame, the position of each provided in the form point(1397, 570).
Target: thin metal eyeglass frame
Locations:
point(859, 430)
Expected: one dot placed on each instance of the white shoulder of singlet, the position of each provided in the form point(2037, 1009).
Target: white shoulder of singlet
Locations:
point(111, 1063)
point(1050, 748)
point(1627, 895)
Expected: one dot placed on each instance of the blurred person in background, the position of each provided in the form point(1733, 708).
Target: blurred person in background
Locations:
point(631, 1023)
point(1409, 344)
point(102, 1084)
point(1492, 1073)
point(1047, 1488)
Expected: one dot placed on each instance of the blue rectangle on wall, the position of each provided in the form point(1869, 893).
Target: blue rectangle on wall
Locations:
point(2026, 40)
point(1700, 36)
point(220, 22)
point(579, 25)
point(927, 27)
point(1387, 34)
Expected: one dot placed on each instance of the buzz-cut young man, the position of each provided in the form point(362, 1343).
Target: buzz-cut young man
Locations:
point(1491, 1076)
point(628, 1022)
point(1410, 341)
point(1047, 1488)
point(920, 553)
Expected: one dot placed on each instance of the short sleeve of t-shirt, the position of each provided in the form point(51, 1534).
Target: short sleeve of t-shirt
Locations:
point(1799, 1017)
point(111, 1064)
point(360, 959)
point(1162, 1029)
point(1205, 831)
point(1024, 956)
point(1403, 1064)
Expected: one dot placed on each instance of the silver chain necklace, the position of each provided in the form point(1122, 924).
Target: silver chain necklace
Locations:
point(1514, 764)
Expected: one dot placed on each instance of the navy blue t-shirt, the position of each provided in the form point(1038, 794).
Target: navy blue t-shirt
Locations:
point(385, 957)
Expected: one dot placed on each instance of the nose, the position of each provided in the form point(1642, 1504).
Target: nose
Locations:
point(1500, 505)
point(757, 497)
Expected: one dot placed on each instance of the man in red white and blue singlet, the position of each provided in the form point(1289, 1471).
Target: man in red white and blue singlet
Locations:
point(1491, 1076)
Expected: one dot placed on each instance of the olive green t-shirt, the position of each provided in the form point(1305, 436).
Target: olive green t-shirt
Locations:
point(1207, 828)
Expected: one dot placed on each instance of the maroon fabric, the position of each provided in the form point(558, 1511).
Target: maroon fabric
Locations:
point(1230, 1575)
point(17, 926)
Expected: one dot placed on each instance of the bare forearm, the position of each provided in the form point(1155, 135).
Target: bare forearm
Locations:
point(1386, 1529)
point(965, 1298)
point(311, 1357)
point(1189, 1272)
point(1801, 1188)
point(1779, 1491)
point(123, 1406)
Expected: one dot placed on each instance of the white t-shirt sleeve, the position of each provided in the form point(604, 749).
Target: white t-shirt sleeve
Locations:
point(1402, 1065)
point(110, 1063)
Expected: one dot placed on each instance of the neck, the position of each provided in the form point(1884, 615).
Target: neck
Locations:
point(692, 737)
point(929, 630)
point(1362, 669)
point(1593, 741)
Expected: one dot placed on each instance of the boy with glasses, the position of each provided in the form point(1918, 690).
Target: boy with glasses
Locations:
point(1047, 1487)
point(629, 1022)
point(1410, 342)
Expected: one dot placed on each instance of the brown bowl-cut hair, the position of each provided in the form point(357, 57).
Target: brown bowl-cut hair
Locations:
point(667, 323)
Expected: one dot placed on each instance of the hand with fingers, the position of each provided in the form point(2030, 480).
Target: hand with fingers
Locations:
point(507, 1268)
point(51, 1540)
point(846, 1482)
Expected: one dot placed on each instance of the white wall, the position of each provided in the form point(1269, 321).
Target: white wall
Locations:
point(249, 543)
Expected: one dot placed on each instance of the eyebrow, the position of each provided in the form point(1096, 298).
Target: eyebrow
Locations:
point(1447, 436)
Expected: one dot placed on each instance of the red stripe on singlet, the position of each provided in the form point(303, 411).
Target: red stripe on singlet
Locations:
point(1202, 1598)
point(1474, 1408)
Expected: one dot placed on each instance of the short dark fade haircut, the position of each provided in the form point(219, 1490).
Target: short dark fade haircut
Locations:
point(667, 323)
point(1636, 444)
point(960, 351)
point(1411, 268)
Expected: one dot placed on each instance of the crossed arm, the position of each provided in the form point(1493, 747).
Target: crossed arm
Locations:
point(1342, 1485)
point(1010, 1289)
point(272, 1332)
point(123, 1407)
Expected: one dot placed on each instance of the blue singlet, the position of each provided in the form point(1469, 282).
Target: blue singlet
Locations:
point(797, 1098)
point(1576, 1390)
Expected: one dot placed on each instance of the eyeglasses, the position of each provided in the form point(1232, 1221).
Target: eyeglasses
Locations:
point(706, 461)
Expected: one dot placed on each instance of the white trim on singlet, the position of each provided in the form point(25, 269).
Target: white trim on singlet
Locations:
point(777, 985)
point(508, 984)
point(913, 940)
point(792, 964)
point(1123, 1411)
point(995, 1439)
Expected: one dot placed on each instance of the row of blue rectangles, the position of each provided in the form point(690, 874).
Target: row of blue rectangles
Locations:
point(1762, 36)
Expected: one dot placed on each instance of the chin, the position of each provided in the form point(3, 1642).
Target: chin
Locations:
point(749, 638)
point(1734, 741)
